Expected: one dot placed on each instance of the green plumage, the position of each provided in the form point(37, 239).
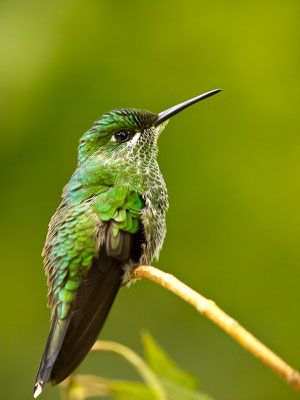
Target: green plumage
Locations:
point(71, 243)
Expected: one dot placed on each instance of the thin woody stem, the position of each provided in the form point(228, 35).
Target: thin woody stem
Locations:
point(224, 321)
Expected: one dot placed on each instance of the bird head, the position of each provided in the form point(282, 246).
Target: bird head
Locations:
point(129, 133)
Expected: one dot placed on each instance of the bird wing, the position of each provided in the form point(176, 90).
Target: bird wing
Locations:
point(86, 249)
point(70, 246)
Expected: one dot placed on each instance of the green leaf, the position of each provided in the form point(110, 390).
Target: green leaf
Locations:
point(87, 386)
point(163, 365)
point(130, 391)
point(178, 392)
point(173, 382)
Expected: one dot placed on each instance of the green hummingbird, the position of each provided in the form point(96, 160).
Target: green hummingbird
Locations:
point(111, 219)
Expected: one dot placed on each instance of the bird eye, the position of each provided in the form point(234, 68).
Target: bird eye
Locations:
point(122, 136)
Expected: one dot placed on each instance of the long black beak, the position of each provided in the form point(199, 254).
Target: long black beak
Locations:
point(164, 115)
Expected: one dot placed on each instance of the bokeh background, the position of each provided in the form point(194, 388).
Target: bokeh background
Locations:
point(231, 164)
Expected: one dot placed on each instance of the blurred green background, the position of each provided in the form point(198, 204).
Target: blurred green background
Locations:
point(231, 165)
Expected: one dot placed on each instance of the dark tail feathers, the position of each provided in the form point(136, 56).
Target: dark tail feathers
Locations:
point(70, 340)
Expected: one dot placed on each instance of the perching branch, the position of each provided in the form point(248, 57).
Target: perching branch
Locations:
point(224, 321)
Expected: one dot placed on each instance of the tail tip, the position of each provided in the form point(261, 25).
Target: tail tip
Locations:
point(38, 388)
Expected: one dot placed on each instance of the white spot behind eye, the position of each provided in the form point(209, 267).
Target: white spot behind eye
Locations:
point(135, 138)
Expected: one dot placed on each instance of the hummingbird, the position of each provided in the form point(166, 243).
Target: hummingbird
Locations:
point(111, 219)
